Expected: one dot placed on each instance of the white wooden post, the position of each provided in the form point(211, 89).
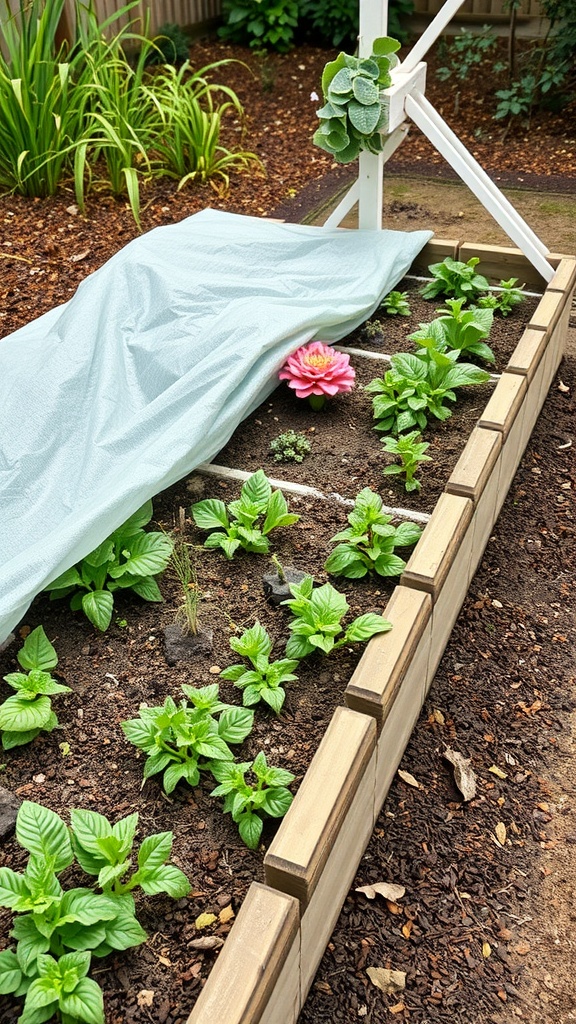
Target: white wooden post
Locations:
point(373, 24)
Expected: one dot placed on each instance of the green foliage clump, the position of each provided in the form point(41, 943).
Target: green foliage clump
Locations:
point(250, 803)
point(172, 45)
point(84, 109)
point(290, 447)
point(466, 51)
point(182, 740)
point(247, 522)
point(354, 113)
point(504, 299)
point(316, 624)
point(129, 559)
point(29, 710)
point(263, 681)
point(328, 24)
point(396, 304)
point(261, 24)
point(368, 544)
point(458, 329)
point(410, 449)
point(418, 386)
point(58, 931)
point(456, 279)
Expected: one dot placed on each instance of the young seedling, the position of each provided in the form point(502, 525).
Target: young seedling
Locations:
point(396, 304)
point(368, 544)
point(290, 447)
point(106, 851)
point(129, 559)
point(29, 710)
point(240, 523)
point(505, 299)
point(264, 680)
point(57, 930)
point(456, 279)
point(418, 386)
point(317, 621)
point(183, 564)
point(250, 803)
point(181, 741)
point(410, 450)
point(457, 329)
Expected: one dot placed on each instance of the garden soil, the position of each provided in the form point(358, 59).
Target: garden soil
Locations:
point(485, 929)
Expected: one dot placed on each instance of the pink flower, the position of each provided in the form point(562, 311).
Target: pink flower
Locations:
point(318, 370)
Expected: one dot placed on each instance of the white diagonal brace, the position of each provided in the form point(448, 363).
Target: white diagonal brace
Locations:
point(430, 35)
point(421, 111)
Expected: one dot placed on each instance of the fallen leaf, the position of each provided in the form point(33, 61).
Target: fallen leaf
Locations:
point(323, 986)
point(362, 1011)
point(386, 889)
point(145, 997)
point(165, 961)
point(397, 1008)
point(498, 772)
point(393, 907)
point(409, 779)
point(407, 929)
point(500, 831)
point(563, 387)
point(386, 980)
point(226, 914)
point(204, 920)
point(207, 942)
point(486, 950)
point(464, 776)
point(438, 716)
point(79, 256)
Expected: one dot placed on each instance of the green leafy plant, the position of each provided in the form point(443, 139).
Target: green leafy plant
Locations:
point(410, 449)
point(41, 110)
point(290, 447)
point(29, 710)
point(458, 329)
point(250, 803)
point(261, 24)
point(317, 620)
point(128, 559)
point(264, 680)
point(466, 52)
point(57, 930)
point(240, 523)
point(455, 278)
point(504, 299)
point(189, 145)
point(416, 387)
point(171, 45)
point(368, 544)
point(106, 851)
point(331, 25)
point(396, 304)
point(354, 113)
point(181, 740)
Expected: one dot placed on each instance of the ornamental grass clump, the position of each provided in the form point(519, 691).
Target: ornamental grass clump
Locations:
point(317, 371)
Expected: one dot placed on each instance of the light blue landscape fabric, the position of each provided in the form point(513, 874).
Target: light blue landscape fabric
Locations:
point(149, 368)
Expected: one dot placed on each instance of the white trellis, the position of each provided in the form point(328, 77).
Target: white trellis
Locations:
point(407, 99)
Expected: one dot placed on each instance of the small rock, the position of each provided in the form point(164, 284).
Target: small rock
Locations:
point(9, 807)
point(277, 591)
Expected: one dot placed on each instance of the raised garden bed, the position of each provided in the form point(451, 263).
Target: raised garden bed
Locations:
point(269, 959)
